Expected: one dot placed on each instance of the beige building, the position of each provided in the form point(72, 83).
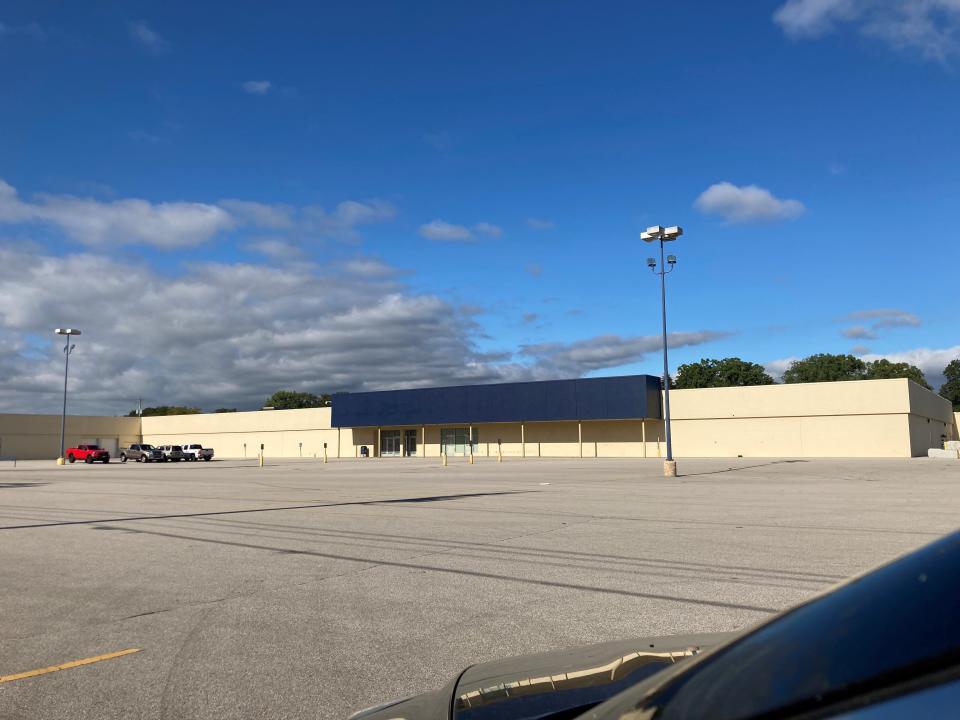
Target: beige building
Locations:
point(868, 418)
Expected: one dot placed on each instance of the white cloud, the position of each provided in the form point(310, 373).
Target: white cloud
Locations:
point(488, 229)
point(859, 350)
point(118, 222)
point(539, 224)
point(931, 361)
point(257, 87)
point(275, 249)
point(859, 332)
point(311, 328)
point(776, 368)
point(930, 27)
point(448, 232)
point(887, 318)
point(342, 223)
point(182, 224)
point(263, 215)
point(746, 204)
point(146, 37)
point(606, 351)
point(812, 18)
point(445, 232)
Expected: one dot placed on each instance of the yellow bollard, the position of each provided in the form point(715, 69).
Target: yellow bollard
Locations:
point(261, 459)
point(444, 459)
point(471, 458)
point(324, 455)
point(499, 455)
point(60, 461)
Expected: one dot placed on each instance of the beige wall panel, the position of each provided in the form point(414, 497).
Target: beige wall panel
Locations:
point(36, 437)
point(855, 436)
point(237, 435)
point(926, 433)
point(749, 437)
point(930, 405)
point(861, 397)
point(552, 439)
point(614, 438)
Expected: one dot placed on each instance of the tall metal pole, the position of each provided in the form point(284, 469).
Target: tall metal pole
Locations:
point(63, 416)
point(666, 372)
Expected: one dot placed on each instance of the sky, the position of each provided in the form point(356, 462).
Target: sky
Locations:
point(367, 195)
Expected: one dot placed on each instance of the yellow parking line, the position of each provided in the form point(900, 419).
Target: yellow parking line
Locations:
point(67, 665)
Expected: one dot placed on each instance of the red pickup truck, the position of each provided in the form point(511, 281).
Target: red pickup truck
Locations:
point(88, 453)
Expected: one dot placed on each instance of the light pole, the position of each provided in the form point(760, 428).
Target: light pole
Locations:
point(67, 351)
point(661, 234)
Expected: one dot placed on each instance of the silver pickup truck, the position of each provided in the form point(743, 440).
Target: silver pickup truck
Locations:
point(141, 452)
point(193, 451)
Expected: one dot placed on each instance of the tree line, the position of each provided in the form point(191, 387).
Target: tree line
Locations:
point(822, 367)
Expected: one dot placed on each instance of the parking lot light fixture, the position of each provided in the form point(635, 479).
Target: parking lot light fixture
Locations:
point(658, 233)
point(68, 349)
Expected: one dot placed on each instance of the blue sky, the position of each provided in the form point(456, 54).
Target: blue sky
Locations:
point(372, 195)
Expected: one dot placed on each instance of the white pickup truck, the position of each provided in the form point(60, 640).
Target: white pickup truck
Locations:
point(193, 451)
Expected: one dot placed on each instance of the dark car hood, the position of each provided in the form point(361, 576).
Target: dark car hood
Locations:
point(560, 684)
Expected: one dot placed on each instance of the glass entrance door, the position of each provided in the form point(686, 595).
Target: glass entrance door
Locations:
point(456, 441)
point(389, 443)
point(410, 443)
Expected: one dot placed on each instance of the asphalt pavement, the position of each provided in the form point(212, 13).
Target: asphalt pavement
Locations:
point(304, 590)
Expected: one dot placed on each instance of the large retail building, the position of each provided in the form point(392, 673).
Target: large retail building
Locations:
point(586, 418)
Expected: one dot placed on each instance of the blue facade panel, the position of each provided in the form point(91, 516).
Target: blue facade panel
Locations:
point(615, 398)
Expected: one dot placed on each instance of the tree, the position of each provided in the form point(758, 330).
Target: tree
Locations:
point(726, 372)
point(951, 388)
point(824, 367)
point(165, 410)
point(291, 400)
point(883, 369)
point(225, 410)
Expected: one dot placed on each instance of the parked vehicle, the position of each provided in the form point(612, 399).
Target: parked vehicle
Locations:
point(193, 451)
point(171, 453)
point(141, 452)
point(88, 453)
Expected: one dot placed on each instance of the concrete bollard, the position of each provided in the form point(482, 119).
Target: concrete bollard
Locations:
point(669, 468)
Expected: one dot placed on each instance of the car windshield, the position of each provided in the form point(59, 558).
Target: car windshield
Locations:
point(176, 447)
point(146, 447)
point(93, 447)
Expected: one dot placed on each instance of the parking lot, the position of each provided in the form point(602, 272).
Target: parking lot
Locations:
point(302, 590)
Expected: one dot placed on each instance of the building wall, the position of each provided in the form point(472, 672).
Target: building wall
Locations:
point(877, 418)
point(240, 434)
point(37, 437)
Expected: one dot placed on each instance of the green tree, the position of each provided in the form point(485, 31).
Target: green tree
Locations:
point(883, 369)
point(726, 372)
point(824, 367)
point(225, 410)
point(951, 388)
point(291, 400)
point(166, 410)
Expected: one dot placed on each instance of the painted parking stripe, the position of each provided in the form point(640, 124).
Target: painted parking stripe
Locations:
point(68, 665)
